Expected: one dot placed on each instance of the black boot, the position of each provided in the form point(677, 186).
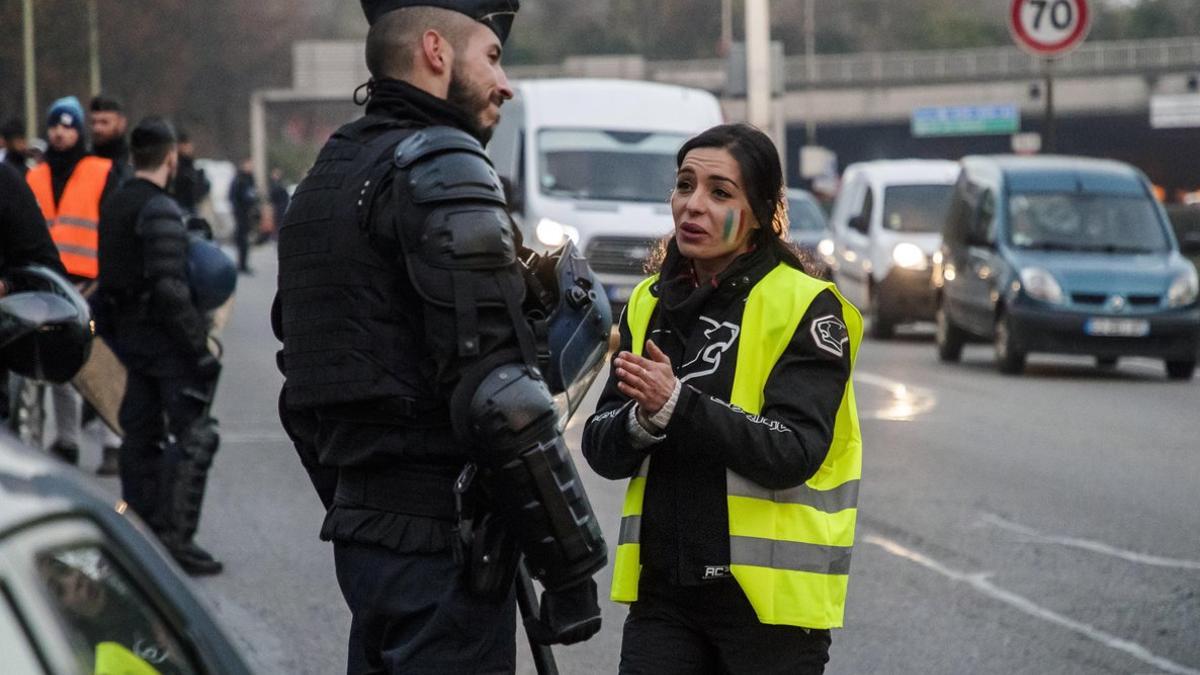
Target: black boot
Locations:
point(66, 452)
point(110, 463)
point(193, 559)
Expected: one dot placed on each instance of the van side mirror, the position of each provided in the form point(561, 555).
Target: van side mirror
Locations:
point(858, 223)
point(980, 231)
point(514, 195)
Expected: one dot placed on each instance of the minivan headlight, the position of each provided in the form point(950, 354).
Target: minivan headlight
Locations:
point(826, 247)
point(1041, 285)
point(1184, 289)
point(909, 256)
point(553, 233)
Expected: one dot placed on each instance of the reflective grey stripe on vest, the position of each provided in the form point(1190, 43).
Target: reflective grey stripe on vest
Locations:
point(840, 498)
point(789, 555)
point(631, 530)
point(76, 222)
point(76, 250)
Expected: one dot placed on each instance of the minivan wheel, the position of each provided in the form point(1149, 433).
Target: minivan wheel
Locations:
point(1009, 359)
point(950, 338)
point(881, 328)
point(1180, 370)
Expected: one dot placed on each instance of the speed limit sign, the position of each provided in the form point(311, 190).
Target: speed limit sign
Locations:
point(1049, 27)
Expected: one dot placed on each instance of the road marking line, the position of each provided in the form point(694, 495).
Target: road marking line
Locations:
point(980, 582)
point(1091, 545)
point(906, 404)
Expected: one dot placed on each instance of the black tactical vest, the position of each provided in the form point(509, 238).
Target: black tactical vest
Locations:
point(350, 333)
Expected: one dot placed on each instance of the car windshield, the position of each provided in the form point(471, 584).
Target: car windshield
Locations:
point(608, 165)
point(804, 216)
point(1080, 221)
point(916, 208)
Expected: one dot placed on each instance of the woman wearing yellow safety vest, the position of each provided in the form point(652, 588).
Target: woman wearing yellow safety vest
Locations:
point(730, 410)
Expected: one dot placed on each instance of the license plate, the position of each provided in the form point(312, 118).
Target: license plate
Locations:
point(1117, 327)
point(619, 293)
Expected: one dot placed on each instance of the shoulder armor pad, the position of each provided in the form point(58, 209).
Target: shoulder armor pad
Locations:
point(447, 164)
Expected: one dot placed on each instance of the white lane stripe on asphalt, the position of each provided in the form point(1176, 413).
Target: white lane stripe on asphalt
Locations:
point(979, 581)
point(1090, 545)
point(907, 402)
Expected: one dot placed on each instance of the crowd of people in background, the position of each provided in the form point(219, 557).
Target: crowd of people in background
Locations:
point(67, 202)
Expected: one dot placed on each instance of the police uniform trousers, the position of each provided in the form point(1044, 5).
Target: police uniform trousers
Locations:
point(147, 454)
point(712, 629)
point(413, 614)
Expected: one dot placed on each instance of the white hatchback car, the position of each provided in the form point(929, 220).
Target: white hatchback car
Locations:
point(887, 223)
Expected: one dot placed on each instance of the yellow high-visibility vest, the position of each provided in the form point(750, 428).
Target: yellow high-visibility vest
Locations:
point(789, 549)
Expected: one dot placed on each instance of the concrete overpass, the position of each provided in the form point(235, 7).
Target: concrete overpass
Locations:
point(855, 91)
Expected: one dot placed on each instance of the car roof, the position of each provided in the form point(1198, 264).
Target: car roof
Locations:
point(908, 171)
point(618, 105)
point(32, 487)
point(1051, 173)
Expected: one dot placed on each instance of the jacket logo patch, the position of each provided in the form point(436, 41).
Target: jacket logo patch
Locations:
point(716, 571)
point(830, 334)
point(720, 337)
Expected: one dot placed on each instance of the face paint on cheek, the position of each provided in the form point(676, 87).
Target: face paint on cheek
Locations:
point(733, 224)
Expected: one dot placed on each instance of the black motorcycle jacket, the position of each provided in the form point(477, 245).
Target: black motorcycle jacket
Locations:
point(685, 531)
point(145, 302)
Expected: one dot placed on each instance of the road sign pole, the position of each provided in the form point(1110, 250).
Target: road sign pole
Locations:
point(1049, 145)
point(31, 115)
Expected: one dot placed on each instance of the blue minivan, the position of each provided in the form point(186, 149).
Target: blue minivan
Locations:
point(1063, 255)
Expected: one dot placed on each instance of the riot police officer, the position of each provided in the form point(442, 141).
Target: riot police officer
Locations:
point(408, 361)
point(162, 338)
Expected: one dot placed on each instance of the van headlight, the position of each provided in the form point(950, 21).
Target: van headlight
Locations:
point(553, 233)
point(1184, 289)
point(825, 248)
point(1041, 285)
point(909, 256)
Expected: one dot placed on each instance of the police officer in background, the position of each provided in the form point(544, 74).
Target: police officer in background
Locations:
point(162, 338)
point(408, 361)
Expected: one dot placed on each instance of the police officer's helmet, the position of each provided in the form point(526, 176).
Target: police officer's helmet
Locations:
point(212, 275)
point(45, 326)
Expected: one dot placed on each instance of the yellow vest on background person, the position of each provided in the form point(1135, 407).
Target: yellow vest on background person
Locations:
point(789, 549)
point(74, 221)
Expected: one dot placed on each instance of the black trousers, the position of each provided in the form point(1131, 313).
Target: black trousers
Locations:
point(412, 614)
point(241, 235)
point(712, 628)
point(153, 407)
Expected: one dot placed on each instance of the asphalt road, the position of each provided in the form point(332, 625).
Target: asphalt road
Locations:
point(1048, 523)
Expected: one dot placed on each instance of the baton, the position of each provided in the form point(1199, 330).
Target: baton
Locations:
point(543, 655)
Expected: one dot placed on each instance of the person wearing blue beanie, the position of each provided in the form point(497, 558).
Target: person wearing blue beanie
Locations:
point(66, 112)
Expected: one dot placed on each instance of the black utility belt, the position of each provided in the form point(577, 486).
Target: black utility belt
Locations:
point(412, 492)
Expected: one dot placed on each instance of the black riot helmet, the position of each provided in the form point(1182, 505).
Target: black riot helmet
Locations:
point(573, 321)
point(495, 14)
point(45, 326)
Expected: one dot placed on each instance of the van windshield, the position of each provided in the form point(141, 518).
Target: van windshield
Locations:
point(1080, 221)
point(626, 166)
point(916, 208)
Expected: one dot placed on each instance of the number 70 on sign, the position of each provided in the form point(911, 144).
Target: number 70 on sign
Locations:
point(1049, 27)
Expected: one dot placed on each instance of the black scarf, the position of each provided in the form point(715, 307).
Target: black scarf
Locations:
point(117, 150)
point(401, 100)
point(62, 165)
point(683, 296)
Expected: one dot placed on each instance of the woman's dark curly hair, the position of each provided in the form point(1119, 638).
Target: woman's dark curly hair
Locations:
point(762, 179)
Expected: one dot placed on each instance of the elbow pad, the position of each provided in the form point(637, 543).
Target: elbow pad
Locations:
point(532, 479)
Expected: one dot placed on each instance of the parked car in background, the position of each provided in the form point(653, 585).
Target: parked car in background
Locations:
point(887, 222)
point(1064, 255)
point(593, 160)
point(84, 590)
point(809, 230)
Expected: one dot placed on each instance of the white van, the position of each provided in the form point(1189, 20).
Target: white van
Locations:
point(594, 160)
point(887, 223)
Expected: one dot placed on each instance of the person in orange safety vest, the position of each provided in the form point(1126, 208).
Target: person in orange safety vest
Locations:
point(69, 186)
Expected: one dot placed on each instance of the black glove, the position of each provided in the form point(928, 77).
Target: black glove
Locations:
point(568, 616)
